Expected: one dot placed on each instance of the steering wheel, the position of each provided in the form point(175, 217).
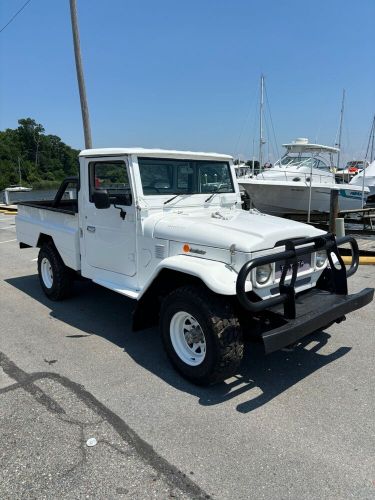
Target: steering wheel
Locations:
point(217, 190)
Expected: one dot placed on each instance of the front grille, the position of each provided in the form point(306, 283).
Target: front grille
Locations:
point(299, 282)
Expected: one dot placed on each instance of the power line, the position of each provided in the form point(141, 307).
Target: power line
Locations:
point(15, 15)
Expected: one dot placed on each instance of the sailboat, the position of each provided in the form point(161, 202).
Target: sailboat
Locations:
point(15, 187)
point(18, 187)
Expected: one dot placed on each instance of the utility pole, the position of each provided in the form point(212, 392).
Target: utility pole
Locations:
point(80, 78)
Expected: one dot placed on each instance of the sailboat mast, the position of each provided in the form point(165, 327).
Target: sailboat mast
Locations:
point(370, 144)
point(19, 171)
point(372, 141)
point(261, 140)
point(338, 144)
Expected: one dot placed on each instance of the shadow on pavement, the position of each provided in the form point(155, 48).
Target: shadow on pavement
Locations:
point(97, 311)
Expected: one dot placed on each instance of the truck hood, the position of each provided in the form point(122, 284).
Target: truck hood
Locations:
point(248, 231)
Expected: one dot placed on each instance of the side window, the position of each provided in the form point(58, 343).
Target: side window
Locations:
point(111, 176)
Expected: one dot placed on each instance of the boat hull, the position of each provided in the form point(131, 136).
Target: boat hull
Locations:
point(289, 198)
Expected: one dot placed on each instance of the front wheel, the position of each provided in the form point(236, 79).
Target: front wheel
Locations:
point(201, 335)
point(55, 278)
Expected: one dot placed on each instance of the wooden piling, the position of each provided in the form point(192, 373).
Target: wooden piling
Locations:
point(333, 210)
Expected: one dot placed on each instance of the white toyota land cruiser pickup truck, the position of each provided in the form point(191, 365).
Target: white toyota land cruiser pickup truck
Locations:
point(166, 229)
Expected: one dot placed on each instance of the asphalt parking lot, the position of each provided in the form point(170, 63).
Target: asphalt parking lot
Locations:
point(296, 424)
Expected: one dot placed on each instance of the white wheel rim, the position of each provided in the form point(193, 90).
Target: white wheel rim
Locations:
point(187, 338)
point(46, 271)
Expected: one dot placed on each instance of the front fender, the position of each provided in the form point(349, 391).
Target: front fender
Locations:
point(217, 276)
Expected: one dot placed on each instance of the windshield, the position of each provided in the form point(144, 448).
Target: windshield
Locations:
point(302, 161)
point(295, 160)
point(171, 176)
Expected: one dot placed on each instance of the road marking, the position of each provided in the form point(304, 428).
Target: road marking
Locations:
point(33, 260)
point(8, 241)
point(8, 227)
point(363, 260)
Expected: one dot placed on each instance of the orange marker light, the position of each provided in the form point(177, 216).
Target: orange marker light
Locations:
point(186, 248)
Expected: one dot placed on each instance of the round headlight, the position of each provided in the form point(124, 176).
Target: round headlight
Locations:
point(263, 274)
point(321, 258)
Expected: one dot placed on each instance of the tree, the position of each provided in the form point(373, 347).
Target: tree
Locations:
point(30, 132)
point(43, 158)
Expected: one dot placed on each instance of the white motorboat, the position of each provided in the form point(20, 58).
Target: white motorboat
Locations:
point(13, 189)
point(18, 188)
point(301, 182)
point(351, 169)
point(365, 178)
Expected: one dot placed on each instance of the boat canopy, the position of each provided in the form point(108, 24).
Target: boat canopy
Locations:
point(303, 145)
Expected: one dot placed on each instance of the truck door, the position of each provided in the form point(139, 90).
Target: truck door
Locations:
point(109, 238)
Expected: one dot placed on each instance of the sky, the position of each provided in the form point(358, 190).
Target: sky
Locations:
point(183, 74)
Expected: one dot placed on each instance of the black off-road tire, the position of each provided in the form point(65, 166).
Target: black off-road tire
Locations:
point(221, 328)
point(62, 276)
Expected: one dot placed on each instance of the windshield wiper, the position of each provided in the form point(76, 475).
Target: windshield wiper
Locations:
point(211, 196)
point(171, 199)
point(221, 185)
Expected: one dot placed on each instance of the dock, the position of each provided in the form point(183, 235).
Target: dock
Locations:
point(364, 216)
point(8, 209)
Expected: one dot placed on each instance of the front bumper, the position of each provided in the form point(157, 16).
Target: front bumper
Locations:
point(315, 309)
point(297, 315)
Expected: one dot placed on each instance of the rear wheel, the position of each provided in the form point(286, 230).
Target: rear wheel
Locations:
point(201, 335)
point(55, 278)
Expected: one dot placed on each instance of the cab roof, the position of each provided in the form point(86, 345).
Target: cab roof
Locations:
point(158, 153)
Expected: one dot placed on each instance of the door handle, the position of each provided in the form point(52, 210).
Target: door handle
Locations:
point(91, 229)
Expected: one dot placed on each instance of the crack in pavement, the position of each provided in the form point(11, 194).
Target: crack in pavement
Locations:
point(173, 476)
point(25, 381)
point(82, 450)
